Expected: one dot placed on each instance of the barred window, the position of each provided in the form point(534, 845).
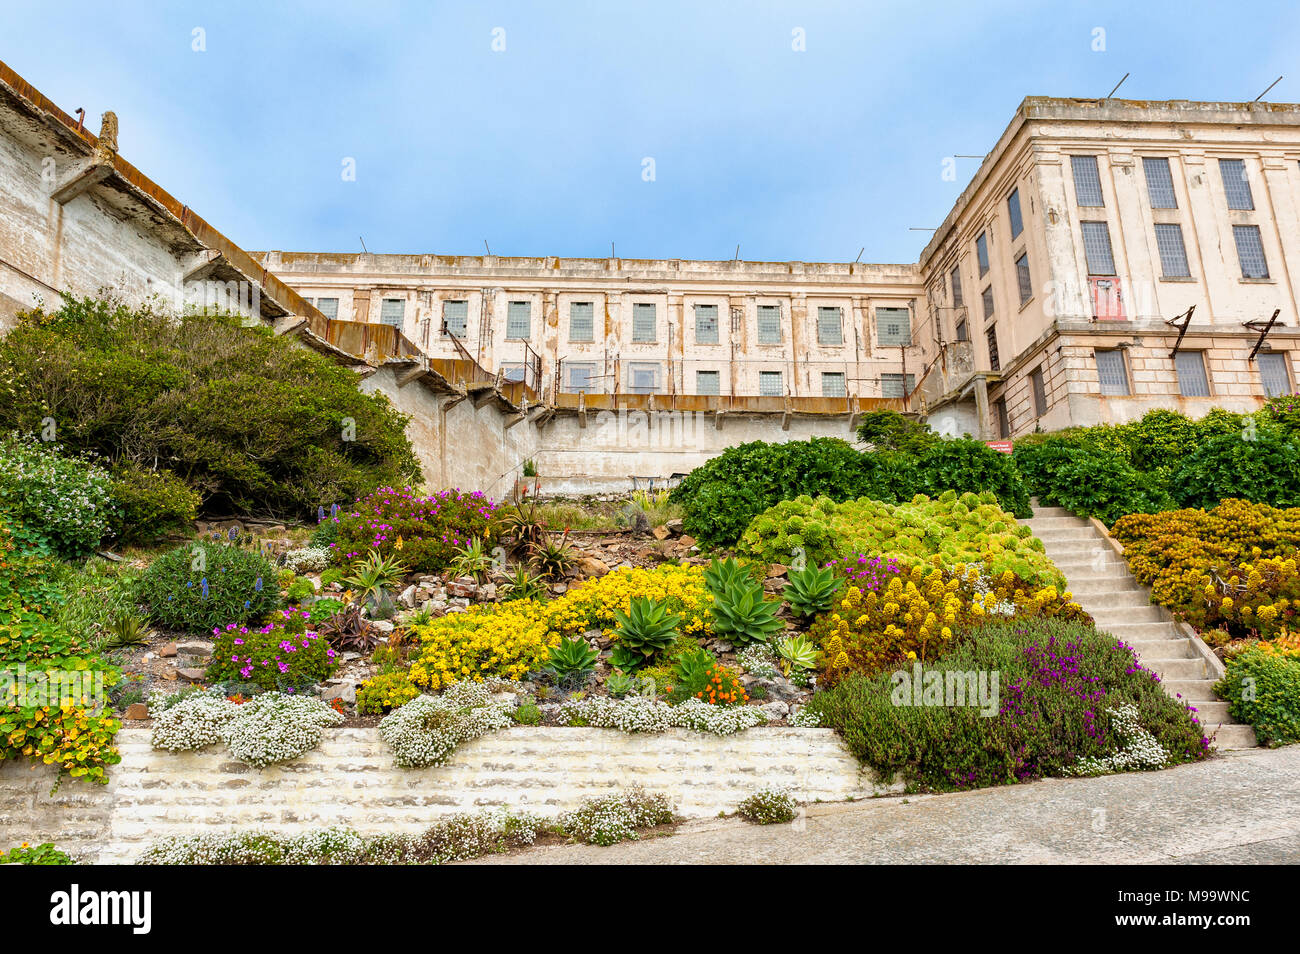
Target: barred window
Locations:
point(706, 325)
point(1024, 279)
point(582, 321)
point(1160, 183)
point(1250, 251)
point(581, 377)
point(769, 383)
point(1235, 184)
point(769, 324)
point(1173, 254)
point(833, 384)
point(982, 253)
point(1190, 366)
point(1039, 387)
point(829, 330)
point(896, 385)
point(642, 378)
point(513, 372)
point(329, 307)
point(455, 316)
point(991, 336)
point(1013, 213)
point(706, 382)
point(643, 321)
point(519, 319)
point(1273, 373)
point(893, 327)
point(956, 287)
point(1096, 248)
point(1087, 181)
point(1111, 372)
point(392, 311)
point(987, 299)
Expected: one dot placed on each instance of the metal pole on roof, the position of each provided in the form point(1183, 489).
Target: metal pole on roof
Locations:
point(1117, 86)
point(1270, 86)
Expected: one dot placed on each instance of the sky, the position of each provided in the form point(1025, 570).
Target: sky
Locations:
point(809, 131)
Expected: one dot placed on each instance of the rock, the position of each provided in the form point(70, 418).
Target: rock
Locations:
point(685, 541)
point(674, 527)
point(559, 588)
point(408, 596)
point(776, 710)
point(167, 650)
point(459, 603)
point(488, 592)
point(345, 692)
point(193, 675)
point(383, 626)
point(169, 675)
point(660, 533)
point(462, 589)
point(775, 570)
point(195, 647)
point(593, 566)
point(136, 711)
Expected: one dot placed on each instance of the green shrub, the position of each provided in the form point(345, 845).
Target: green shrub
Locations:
point(889, 430)
point(432, 529)
point(152, 505)
point(43, 854)
point(974, 467)
point(251, 421)
point(203, 585)
point(1262, 688)
point(61, 505)
point(283, 655)
point(1086, 480)
point(1265, 469)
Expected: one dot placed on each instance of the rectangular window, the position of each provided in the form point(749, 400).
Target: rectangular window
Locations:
point(982, 253)
point(769, 383)
point(582, 321)
point(513, 372)
point(829, 329)
point(1039, 387)
point(991, 336)
point(769, 324)
point(1173, 254)
point(329, 307)
point(833, 384)
point(581, 377)
point(1190, 366)
point(455, 318)
point(987, 299)
point(643, 321)
point(1160, 183)
point(1000, 415)
point(1273, 373)
point(956, 287)
point(1096, 248)
point(642, 378)
point(1013, 213)
point(1111, 372)
point(706, 325)
point(1087, 181)
point(893, 327)
point(706, 382)
point(392, 311)
point(1023, 277)
point(1235, 184)
point(962, 333)
point(895, 385)
point(1250, 251)
point(519, 319)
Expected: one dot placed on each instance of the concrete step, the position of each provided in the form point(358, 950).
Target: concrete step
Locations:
point(1234, 736)
point(1106, 617)
point(1058, 523)
point(1105, 560)
point(1176, 670)
point(1162, 648)
point(1132, 633)
point(1117, 601)
point(1051, 535)
point(1075, 549)
point(1194, 691)
point(1104, 584)
point(1051, 512)
point(1212, 714)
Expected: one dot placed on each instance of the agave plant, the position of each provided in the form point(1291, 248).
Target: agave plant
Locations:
point(553, 558)
point(349, 631)
point(720, 575)
point(796, 653)
point(742, 615)
point(572, 657)
point(811, 591)
point(647, 627)
point(472, 560)
point(127, 630)
point(374, 576)
point(525, 524)
point(619, 684)
point(520, 584)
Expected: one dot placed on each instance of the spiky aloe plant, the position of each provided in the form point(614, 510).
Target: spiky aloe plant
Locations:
point(572, 657)
point(720, 575)
point(811, 591)
point(741, 614)
point(648, 627)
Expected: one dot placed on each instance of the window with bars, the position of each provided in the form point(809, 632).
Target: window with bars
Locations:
point(1111, 371)
point(956, 286)
point(1160, 183)
point(392, 311)
point(896, 385)
point(769, 324)
point(1087, 181)
point(982, 253)
point(1273, 373)
point(643, 321)
point(1173, 254)
point(513, 372)
point(987, 300)
point(706, 325)
point(1250, 251)
point(829, 329)
point(1096, 248)
point(833, 384)
point(582, 321)
point(769, 383)
point(706, 382)
point(642, 378)
point(1013, 213)
point(1000, 415)
point(1190, 366)
point(519, 319)
point(991, 337)
point(1236, 187)
point(962, 333)
point(455, 317)
point(329, 307)
point(581, 377)
point(893, 327)
point(1024, 279)
point(1039, 387)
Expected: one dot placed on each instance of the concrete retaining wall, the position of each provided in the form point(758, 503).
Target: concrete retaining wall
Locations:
point(351, 780)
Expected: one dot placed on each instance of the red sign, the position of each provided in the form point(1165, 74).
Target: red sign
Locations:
point(1003, 446)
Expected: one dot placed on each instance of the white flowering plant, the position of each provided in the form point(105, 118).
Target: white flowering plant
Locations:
point(269, 728)
point(61, 504)
point(428, 729)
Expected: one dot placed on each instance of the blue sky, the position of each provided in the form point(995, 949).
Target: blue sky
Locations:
point(539, 148)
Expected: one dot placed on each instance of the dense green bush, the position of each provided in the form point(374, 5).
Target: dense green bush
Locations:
point(423, 532)
point(889, 430)
point(1062, 691)
point(202, 585)
point(1262, 467)
point(1086, 479)
point(1262, 688)
point(61, 505)
point(251, 421)
point(969, 466)
point(152, 505)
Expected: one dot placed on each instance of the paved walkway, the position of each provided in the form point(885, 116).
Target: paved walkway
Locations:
point(1243, 807)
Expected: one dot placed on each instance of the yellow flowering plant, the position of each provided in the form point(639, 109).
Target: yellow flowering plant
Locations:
point(385, 692)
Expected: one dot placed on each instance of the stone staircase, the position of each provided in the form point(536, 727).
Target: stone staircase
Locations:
point(1102, 584)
